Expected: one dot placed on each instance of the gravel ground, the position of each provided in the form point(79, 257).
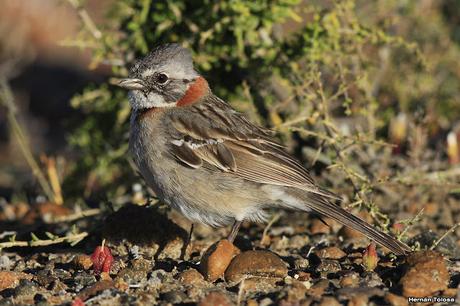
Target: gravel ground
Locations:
point(297, 260)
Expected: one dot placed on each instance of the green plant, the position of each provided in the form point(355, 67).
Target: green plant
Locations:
point(322, 75)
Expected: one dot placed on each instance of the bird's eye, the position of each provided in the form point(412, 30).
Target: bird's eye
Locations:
point(162, 79)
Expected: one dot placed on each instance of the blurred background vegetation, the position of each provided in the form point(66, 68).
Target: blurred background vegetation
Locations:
point(365, 93)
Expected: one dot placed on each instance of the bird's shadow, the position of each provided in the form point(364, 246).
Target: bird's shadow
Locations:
point(143, 226)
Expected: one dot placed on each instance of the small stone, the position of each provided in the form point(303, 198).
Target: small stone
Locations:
point(298, 241)
point(329, 301)
point(175, 297)
point(304, 277)
point(10, 279)
point(121, 284)
point(255, 263)
point(216, 298)
point(173, 249)
point(26, 288)
point(371, 279)
point(191, 277)
point(349, 233)
point(296, 291)
point(318, 227)
point(329, 266)
point(317, 290)
point(395, 300)
point(427, 274)
point(358, 300)
point(452, 292)
point(216, 259)
point(132, 276)
point(301, 263)
point(331, 253)
point(95, 289)
point(259, 284)
point(350, 280)
point(252, 302)
point(83, 262)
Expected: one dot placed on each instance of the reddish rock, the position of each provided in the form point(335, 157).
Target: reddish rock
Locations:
point(216, 259)
point(296, 291)
point(318, 227)
point(317, 290)
point(191, 277)
point(395, 300)
point(329, 301)
point(95, 289)
point(331, 253)
point(216, 298)
point(349, 233)
point(358, 300)
point(256, 264)
point(350, 280)
point(121, 285)
point(10, 279)
point(83, 262)
point(78, 302)
point(426, 275)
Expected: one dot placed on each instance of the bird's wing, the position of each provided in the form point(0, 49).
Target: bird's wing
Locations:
point(212, 134)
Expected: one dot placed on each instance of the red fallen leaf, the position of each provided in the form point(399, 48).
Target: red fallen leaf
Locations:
point(78, 302)
point(102, 259)
point(370, 257)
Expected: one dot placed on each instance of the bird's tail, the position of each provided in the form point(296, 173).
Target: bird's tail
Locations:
point(324, 207)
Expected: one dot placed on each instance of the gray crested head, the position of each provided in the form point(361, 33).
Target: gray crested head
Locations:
point(161, 78)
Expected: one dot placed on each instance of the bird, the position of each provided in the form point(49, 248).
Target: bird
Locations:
point(208, 161)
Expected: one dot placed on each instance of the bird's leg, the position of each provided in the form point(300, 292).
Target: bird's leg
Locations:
point(234, 231)
point(187, 242)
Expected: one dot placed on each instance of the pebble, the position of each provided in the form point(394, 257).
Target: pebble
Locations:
point(329, 266)
point(318, 227)
point(329, 301)
point(10, 279)
point(26, 288)
point(83, 261)
point(5, 262)
point(301, 263)
point(259, 284)
point(216, 259)
point(296, 291)
point(298, 241)
point(191, 277)
point(395, 300)
point(216, 298)
point(358, 300)
point(426, 275)
point(317, 290)
point(371, 279)
point(95, 289)
point(175, 297)
point(349, 280)
point(349, 233)
point(255, 263)
point(331, 253)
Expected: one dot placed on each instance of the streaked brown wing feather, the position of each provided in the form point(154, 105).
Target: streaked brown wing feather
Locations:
point(221, 137)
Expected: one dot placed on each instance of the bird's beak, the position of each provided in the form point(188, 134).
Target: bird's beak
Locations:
point(131, 84)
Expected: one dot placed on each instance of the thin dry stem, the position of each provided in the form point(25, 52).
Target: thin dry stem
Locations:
point(36, 243)
point(6, 98)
